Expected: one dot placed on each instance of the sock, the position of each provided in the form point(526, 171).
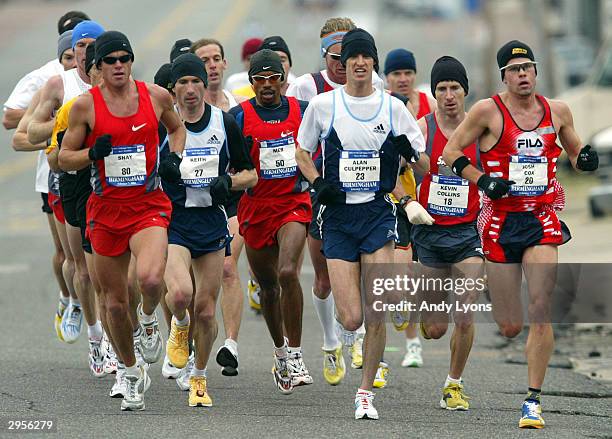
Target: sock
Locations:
point(75, 302)
point(95, 331)
point(233, 344)
point(282, 351)
point(133, 371)
point(184, 321)
point(294, 350)
point(145, 318)
point(361, 331)
point(533, 395)
point(325, 312)
point(450, 380)
point(410, 341)
point(363, 391)
point(64, 300)
point(195, 372)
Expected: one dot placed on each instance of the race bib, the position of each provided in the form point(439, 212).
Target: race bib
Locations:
point(529, 173)
point(359, 171)
point(126, 166)
point(448, 195)
point(277, 158)
point(200, 166)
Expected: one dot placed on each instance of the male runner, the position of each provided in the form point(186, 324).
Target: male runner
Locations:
point(449, 248)
point(277, 44)
point(241, 79)
point(363, 131)
point(517, 132)
point(127, 211)
point(274, 214)
point(198, 235)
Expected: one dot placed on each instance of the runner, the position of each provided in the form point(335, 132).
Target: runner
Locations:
point(517, 132)
point(358, 123)
point(127, 211)
point(180, 47)
point(274, 214)
point(241, 79)
point(198, 234)
point(450, 248)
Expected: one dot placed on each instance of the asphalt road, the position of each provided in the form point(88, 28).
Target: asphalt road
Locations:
point(42, 378)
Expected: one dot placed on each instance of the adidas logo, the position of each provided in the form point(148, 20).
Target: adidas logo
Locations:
point(379, 129)
point(213, 140)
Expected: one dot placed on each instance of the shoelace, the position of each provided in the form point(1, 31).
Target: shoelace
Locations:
point(333, 362)
point(414, 349)
point(179, 337)
point(282, 367)
point(74, 316)
point(131, 388)
point(456, 391)
point(200, 387)
point(366, 399)
point(532, 409)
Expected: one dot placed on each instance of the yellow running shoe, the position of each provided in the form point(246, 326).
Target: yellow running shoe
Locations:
point(254, 301)
point(59, 315)
point(198, 396)
point(400, 319)
point(380, 380)
point(334, 368)
point(423, 332)
point(531, 415)
point(177, 346)
point(453, 398)
point(356, 353)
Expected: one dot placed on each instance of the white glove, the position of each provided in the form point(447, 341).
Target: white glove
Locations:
point(417, 214)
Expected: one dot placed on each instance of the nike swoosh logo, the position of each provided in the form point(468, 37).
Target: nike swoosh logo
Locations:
point(138, 127)
point(266, 67)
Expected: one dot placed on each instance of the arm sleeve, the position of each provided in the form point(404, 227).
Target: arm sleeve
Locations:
point(240, 157)
point(310, 130)
point(403, 123)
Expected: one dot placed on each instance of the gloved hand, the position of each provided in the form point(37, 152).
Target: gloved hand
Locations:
point(402, 144)
point(170, 168)
point(102, 148)
point(417, 214)
point(494, 187)
point(327, 193)
point(220, 189)
point(587, 160)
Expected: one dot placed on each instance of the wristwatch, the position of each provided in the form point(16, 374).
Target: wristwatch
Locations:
point(404, 200)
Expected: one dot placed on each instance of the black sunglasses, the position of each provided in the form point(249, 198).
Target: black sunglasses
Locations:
point(110, 60)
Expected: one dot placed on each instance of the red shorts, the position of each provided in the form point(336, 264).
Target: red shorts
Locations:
point(261, 218)
point(56, 206)
point(111, 223)
point(506, 235)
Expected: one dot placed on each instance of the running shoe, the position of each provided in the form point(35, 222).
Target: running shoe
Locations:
point(169, 370)
point(140, 361)
point(135, 388)
point(453, 398)
point(72, 322)
point(334, 368)
point(282, 376)
point(59, 314)
point(380, 380)
point(150, 339)
point(227, 358)
point(357, 354)
point(182, 380)
point(299, 374)
point(364, 405)
point(254, 300)
point(119, 386)
point(531, 415)
point(400, 319)
point(413, 357)
point(198, 396)
point(177, 346)
point(96, 357)
point(110, 357)
point(346, 337)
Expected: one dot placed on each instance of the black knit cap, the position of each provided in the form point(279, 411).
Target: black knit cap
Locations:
point(90, 57)
point(188, 64)
point(359, 41)
point(277, 43)
point(447, 68)
point(162, 77)
point(179, 48)
point(112, 41)
point(510, 50)
point(265, 60)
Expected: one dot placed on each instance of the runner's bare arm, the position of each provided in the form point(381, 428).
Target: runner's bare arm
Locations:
point(422, 164)
point(11, 117)
point(53, 160)
point(73, 156)
point(41, 125)
point(306, 165)
point(567, 133)
point(175, 128)
point(20, 137)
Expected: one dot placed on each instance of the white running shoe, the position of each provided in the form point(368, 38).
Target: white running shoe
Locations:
point(227, 358)
point(364, 405)
point(118, 389)
point(72, 322)
point(282, 376)
point(182, 381)
point(151, 342)
point(413, 357)
point(169, 370)
point(110, 357)
point(140, 361)
point(136, 386)
point(96, 357)
point(299, 374)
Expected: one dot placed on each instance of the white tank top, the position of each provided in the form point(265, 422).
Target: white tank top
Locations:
point(230, 97)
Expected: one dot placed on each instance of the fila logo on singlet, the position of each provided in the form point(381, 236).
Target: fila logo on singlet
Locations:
point(138, 127)
point(379, 129)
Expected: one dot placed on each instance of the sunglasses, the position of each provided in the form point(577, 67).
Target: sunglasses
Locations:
point(260, 79)
point(334, 56)
point(110, 60)
point(515, 68)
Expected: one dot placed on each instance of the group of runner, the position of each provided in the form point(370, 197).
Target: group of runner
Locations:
point(152, 191)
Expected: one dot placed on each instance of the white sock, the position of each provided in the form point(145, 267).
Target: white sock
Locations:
point(295, 349)
point(282, 351)
point(410, 341)
point(361, 330)
point(75, 302)
point(232, 344)
point(145, 318)
point(133, 371)
point(95, 331)
point(325, 312)
point(195, 372)
point(450, 380)
point(184, 321)
point(64, 300)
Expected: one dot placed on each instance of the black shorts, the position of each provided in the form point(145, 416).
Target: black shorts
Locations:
point(67, 185)
point(45, 206)
point(404, 229)
point(314, 228)
point(81, 215)
point(446, 244)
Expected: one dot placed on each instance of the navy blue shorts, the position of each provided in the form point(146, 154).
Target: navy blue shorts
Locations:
point(446, 244)
point(352, 229)
point(404, 228)
point(201, 230)
point(313, 228)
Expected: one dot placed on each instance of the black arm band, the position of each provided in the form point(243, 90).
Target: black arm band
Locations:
point(460, 164)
